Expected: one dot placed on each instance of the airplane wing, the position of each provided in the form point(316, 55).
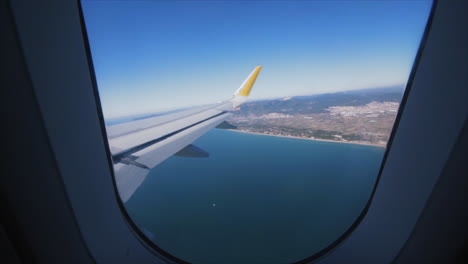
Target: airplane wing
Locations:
point(139, 145)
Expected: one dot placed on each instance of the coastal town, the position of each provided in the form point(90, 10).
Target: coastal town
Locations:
point(337, 117)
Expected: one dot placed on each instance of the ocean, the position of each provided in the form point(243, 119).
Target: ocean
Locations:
point(256, 199)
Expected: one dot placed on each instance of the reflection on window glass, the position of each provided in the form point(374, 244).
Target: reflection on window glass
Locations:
point(250, 132)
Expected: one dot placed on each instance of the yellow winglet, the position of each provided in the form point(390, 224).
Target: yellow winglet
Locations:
point(246, 87)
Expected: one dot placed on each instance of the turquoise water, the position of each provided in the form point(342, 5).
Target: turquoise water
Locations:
point(256, 199)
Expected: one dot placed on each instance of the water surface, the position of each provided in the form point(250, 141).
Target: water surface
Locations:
point(256, 199)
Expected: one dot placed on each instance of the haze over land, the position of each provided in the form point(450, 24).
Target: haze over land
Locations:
point(361, 116)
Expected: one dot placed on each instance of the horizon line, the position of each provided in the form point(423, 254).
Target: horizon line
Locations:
point(162, 110)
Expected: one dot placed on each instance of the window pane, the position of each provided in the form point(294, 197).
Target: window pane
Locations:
point(211, 177)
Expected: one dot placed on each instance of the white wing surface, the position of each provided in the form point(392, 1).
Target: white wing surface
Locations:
point(137, 146)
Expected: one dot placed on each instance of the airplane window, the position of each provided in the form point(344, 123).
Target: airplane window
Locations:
point(250, 131)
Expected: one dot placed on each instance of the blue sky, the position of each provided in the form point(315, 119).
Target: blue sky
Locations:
point(157, 55)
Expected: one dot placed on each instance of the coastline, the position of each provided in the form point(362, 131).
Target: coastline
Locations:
point(313, 139)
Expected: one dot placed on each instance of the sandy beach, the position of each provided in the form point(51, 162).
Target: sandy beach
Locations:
point(313, 139)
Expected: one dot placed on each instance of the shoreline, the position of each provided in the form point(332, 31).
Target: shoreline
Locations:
point(312, 139)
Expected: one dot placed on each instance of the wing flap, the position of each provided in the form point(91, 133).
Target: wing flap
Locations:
point(157, 153)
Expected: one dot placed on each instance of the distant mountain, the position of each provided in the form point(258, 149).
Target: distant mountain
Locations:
point(314, 104)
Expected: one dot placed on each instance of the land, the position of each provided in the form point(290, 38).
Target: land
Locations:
point(361, 117)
